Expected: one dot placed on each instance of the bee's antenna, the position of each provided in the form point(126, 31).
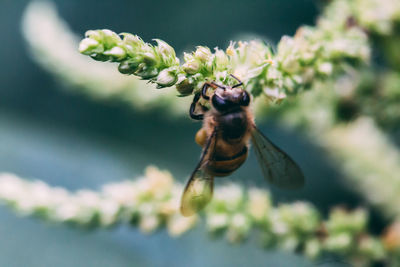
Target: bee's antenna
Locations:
point(237, 85)
point(220, 86)
point(237, 79)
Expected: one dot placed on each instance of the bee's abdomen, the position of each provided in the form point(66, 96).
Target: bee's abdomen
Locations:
point(223, 166)
point(233, 125)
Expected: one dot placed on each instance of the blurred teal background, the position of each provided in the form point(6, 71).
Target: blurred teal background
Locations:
point(70, 140)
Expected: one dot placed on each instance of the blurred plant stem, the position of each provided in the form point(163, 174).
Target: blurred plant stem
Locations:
point(151, 202)
point(362, 150)
point(359, 148)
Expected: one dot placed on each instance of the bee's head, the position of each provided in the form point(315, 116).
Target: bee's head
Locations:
point(227, 99)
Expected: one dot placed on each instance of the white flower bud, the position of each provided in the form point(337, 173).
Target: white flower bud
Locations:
point(230, 51)
point(217, 221)
point(88, 46)
point(108, 211)
point(191, 67)
point(274, 93)
point(149, 223)
point(238, 228)
point(221, 59)
point(338, 242)
point(93, 35)
point(202, 53)
point(259, 204)
point(325, 68)
point(177, 224)
point(230, 196)
point(111, 36)
point(132, 40)
point(167, 77)
point(164, 48)
point(116, 52)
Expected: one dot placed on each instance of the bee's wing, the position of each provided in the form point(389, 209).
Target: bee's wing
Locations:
point(199, 189)
point(277, 167)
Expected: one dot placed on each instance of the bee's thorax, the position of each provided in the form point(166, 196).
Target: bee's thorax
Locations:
point(232, 125)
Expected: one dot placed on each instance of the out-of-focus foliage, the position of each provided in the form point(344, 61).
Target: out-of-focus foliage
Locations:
point(47, 35)
point(152, 201)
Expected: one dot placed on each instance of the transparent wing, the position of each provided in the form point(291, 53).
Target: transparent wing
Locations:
point(199, 189)
point(277, 167)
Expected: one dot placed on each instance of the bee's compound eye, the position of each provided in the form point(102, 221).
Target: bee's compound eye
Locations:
point(245, 101)
point(218, 102)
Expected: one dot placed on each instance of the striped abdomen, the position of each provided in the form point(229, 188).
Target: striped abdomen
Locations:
point(223, 166)
point(231, 144)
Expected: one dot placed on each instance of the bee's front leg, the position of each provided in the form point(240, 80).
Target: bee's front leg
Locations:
point(204, 91)
point(192, 114)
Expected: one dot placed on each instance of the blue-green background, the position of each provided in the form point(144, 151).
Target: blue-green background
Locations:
point(70, 140)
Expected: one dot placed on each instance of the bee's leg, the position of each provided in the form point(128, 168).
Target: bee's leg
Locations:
point(201, 137)
point(204, 91)
point(193, 115)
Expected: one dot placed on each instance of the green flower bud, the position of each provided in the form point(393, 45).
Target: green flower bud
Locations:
point(312, 248)
point(110, 38)
point(184, 85)
point(289, 84)
point(289, 243)
point(100, 57)
point(167, 77)
point(338, 243)
point(209, 65)
point(146, 72)
point(300, 217)
point(371, 247)
point(128, 66)
point(149, 58)
point(308, 75)
point(222, 76)
point(342, 221)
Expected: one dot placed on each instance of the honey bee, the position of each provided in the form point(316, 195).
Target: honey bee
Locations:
point(228, 127)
